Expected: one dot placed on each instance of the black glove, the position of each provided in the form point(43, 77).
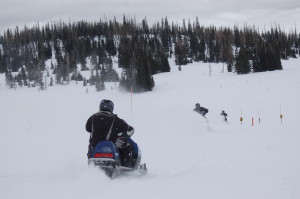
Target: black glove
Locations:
point(120, 142)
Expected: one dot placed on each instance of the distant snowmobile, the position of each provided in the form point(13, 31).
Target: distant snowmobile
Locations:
point(106, 156)
point(201, 110)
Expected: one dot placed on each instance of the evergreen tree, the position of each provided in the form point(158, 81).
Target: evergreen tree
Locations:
point(144, 79)
point(142, 50)
point(163, 62)
point(269, 58)
point(110, 47)
point(125, 53)
point(94, 59)
point(3, 67)
point(102, 54)
point(99, 81)
point(9, 80)
point(181, 52)
point(24, 76)
point(84, 82)
point(93, 79)
point(242, 65)
point(229, 66)
point(51, 81)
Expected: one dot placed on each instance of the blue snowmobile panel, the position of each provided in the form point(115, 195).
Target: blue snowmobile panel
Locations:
point(106, 147)
point(106, 156)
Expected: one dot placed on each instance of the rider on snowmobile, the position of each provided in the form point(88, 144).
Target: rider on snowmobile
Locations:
point(201, 110)
point(105, 125)
point(225, 115)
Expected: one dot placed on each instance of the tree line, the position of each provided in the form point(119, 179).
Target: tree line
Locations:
point(139, 49)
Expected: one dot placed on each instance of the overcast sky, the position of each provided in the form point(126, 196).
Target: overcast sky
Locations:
point(261, 13)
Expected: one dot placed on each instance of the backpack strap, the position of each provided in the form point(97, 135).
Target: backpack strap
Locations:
point(91, 134)
point(110, 130)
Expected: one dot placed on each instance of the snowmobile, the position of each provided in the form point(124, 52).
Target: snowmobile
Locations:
point(107, 157)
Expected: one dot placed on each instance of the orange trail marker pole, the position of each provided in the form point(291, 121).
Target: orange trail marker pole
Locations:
point(241, 118)
point(280, 115)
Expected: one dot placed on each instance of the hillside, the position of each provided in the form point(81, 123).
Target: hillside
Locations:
point(43, 142)
point(140, 50)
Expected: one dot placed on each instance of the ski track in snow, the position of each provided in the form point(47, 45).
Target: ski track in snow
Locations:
point(43, 142)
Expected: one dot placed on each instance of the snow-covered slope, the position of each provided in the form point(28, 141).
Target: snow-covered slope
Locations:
point(43, 142)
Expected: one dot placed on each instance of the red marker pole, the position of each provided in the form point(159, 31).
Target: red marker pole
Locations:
point(252, 121)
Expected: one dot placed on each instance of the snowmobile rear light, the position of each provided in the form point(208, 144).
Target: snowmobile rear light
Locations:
point(103, 155)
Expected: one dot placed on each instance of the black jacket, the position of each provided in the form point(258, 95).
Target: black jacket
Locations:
point(99, 126)
point(224, 114)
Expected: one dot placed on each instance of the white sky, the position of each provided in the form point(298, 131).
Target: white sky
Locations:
point(261, 13)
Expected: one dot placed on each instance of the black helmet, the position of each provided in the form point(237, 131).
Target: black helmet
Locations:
point(106, 105)
point(197, 105)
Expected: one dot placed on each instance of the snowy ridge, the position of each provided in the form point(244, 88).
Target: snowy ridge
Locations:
point(43, 142)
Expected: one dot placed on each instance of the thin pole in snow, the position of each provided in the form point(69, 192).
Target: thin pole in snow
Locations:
point(46, 82)
point(223, 68)
point(280, 115)
point(258, 116)
point(241, 118)
point(131, 99)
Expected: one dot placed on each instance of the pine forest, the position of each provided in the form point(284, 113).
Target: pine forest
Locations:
point(140, 51)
